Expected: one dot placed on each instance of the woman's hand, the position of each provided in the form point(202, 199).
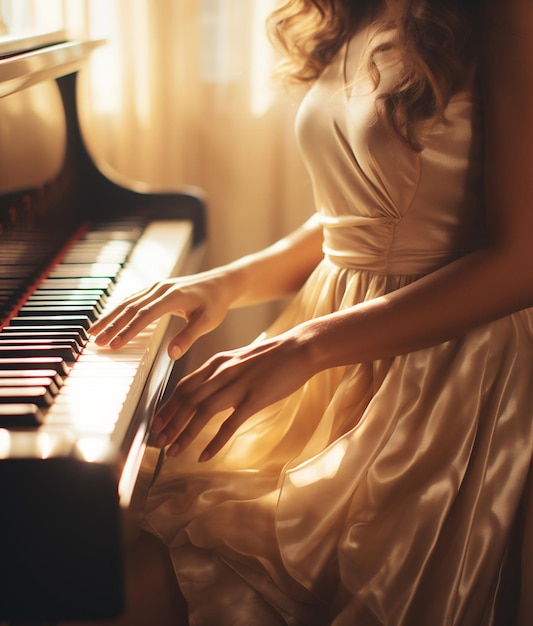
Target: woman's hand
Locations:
point(245, 380)
point(204, 299)
point(201, 300)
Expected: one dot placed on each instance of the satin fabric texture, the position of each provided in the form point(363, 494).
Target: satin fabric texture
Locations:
point(388, 493)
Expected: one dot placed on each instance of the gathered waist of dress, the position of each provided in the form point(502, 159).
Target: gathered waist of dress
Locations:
point(369, 244)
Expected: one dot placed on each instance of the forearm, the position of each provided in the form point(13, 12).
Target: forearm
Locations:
point(276, 271)
point(469, 292)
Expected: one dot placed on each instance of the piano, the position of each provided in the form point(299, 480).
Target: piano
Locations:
point(74, 418)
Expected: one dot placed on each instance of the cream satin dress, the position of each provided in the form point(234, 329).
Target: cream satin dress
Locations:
point(393, 492)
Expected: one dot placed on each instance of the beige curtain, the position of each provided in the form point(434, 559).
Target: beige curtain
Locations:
point(181, 94)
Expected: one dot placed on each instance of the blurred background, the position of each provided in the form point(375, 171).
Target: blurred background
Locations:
point(181, 94)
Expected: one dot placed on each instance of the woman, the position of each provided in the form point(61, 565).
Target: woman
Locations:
point(366, 460)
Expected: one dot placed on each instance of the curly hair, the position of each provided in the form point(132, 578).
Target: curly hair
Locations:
point(435, 39)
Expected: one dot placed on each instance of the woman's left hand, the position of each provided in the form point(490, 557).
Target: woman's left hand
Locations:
point(245, 380)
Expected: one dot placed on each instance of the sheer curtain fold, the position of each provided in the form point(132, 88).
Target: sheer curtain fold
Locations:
point(181, 95)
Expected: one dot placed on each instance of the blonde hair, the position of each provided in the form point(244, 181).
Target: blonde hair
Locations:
point(435, 39)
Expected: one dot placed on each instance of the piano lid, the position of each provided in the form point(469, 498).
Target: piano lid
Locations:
point(24, 42)
point(26, 60)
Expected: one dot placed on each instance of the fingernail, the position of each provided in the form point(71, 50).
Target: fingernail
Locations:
point(205, 456)
point(101, 337)
point(116, 342)
point(175, 352)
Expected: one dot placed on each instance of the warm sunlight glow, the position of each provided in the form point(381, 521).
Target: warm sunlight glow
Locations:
point(33, 445)
point(29, 16)
point(49, 14)
point(262, 60)
point(5, 443)
point(142, 42)
point(216, 59)
point(129, 471)
point(322, 468)
point(93, 448)
point(47, 445)
point(103, 18)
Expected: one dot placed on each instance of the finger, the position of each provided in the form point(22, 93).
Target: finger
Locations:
point(181, 440)
point(134, 317)
point(186, 337)
point(114, 325)
point(100, 326)
point(213, 405)
point(179, 420)
point(225, 432)
point(136, 299)
point(194, 402)
point(132, 321)
point(107, 325)
point(188, 393)
point(185, 434)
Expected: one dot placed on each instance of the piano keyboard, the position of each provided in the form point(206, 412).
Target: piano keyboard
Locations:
point(60, 394)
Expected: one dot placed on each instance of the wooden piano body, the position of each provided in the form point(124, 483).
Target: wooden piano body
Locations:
point(68, 468)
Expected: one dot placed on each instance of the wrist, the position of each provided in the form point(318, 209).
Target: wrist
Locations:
point(312, 344)
point(236, 278)
point(230, 280)
point(325, 342)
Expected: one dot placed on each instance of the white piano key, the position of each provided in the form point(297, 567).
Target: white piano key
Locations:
point(103, 389)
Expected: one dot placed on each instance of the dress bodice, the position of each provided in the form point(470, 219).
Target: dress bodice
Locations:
point(384, 206)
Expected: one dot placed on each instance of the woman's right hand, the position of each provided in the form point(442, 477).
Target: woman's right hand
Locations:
point(202, 300)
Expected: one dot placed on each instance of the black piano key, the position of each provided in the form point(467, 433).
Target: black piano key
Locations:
point(105, 284)
point(100, 253)
point(60, 309)
point(91, 307)
point(35, 373)
point(69, 293)
point(12, 283)
point(83, 270)
point(7, 304)
point(63, 351)
point(51, 320)
point(6, 294)
point(15, 270)
point(81, 305)
point(71, 338)
point(36, 362)
point(11, 300)
point(8, 340)
point(26, 395)
point(96, 301)
point(47, 383)
point(72, 300)
point(80, 331)
point(24, 415)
